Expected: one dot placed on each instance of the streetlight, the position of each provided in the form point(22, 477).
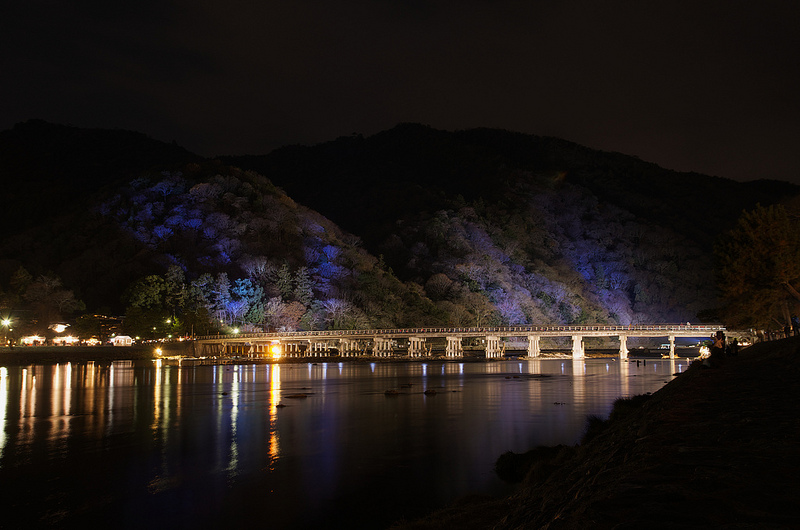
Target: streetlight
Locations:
point(6, 324)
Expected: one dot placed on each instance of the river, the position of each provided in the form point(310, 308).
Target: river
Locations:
point(284, 446)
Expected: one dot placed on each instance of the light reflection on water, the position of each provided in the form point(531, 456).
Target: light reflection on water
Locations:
point(135, 444)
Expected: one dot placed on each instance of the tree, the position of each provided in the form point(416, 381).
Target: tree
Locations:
point(292, 315)
point(336, 311)
point(249, 299)
point(49, 300)
point(147, 292)
point(479, 307)
point(303, 286)
point(759, 268)
point(175, 291)
point(273, 313)
point(19, 283)
point(284, 282)
point(221, 296)
point(88, 326)
point(147, 322)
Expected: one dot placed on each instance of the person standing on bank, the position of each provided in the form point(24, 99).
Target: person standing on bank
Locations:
point(718, 347)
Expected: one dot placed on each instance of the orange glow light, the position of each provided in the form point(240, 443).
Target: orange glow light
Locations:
point(276, 350)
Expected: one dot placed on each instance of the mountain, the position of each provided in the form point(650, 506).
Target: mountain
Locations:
point(413, 168)
point(411, 226)
point(544, 229)
point(46, 167)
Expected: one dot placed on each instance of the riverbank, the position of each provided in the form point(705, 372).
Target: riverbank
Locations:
point(25, 355)
point(717, 447)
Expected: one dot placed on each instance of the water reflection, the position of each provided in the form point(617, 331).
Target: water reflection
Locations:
point(3, 406)
point(273, 445)
point(624, 374)
point(578, 380)
point(193, 442)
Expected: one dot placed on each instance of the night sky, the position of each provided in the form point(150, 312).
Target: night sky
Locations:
point(707, 86)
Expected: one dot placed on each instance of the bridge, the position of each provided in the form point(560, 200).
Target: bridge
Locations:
point(422, 342)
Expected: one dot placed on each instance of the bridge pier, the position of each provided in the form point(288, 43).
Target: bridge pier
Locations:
point(672, 346)
point(623, 347)
point(493, 347)
point(416, 346)
point(534, 350)
point(348, 347)
point(577, 347)
point(290, 349)
point(381, 347)
point(319, 349)
point(454, 347)
point(212, 350)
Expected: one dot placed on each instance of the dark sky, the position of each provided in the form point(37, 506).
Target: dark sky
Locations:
point(708, 86)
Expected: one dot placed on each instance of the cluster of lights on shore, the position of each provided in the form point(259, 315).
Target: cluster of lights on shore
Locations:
point(275, 349)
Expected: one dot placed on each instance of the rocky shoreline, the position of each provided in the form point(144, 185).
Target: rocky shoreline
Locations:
point(717, 447)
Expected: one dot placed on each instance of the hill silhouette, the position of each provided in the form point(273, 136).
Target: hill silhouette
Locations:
point(47, 168)
point(411, 168)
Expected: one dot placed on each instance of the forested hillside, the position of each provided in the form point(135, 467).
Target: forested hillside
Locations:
point(412, 226)
point(520, 228)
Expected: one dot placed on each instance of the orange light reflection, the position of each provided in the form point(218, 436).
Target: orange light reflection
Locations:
point(274, 401)
point(3, 404)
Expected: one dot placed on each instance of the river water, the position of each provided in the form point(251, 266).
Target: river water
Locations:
point(143, 444)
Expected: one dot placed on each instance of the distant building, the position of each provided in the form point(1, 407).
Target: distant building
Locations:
point(32, 340)
point(122, 340)
point(65, 341)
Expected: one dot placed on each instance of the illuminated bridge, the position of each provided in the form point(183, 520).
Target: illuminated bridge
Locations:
point(422, 342)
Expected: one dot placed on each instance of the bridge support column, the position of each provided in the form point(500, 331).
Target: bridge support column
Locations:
point(534, 350)
point(577, 347)
point(381, 347)
point(293, 349)
point(623, 347)
point(323, 349)
point(672, 346)
point(416, 346)
point(493, 349)
point(347, 347)
point(454, 348)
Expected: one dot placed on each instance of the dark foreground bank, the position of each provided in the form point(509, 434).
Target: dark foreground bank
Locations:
point(717, 447)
